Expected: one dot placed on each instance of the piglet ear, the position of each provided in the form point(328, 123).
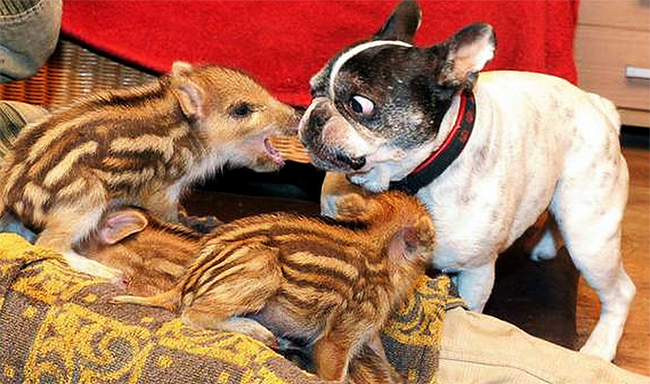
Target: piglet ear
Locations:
point(414, 240)
point(118, 225)
point(181, 68)
point(402, 23)
point(187, 92)
point(467, 52)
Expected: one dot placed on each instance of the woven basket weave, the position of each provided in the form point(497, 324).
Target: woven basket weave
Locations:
point(74, 71)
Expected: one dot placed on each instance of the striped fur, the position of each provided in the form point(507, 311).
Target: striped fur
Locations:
point(142, 146)
point(152, 255)
point(323, 284)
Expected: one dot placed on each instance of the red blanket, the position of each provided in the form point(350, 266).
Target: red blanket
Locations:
point(283, 43)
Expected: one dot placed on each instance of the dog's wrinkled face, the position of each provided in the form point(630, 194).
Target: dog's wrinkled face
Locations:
point(379, 100)
point(367, 102)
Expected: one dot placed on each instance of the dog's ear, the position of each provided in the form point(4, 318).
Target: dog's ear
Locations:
point(402, 23)
point(187, 92)
point(465, 54)
point(121, 224)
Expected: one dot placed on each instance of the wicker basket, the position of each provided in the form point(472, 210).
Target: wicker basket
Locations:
point(74, 71)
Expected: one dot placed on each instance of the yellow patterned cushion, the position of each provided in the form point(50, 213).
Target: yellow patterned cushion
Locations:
point(57, 326)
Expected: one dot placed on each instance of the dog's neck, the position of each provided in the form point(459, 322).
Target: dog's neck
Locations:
point(451, 141)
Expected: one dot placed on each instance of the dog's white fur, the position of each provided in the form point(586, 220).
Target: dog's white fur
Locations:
point(538, 143)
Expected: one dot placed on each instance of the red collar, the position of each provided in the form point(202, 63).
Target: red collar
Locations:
point(449, 150)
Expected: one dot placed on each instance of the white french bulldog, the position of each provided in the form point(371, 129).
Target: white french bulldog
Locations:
point(487, 154)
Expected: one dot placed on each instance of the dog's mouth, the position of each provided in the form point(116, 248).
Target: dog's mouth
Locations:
point(338, 161)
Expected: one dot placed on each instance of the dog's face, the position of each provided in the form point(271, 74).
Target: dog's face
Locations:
point(379, 101)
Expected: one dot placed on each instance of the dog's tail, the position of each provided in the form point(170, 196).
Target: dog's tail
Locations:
point(608, 109)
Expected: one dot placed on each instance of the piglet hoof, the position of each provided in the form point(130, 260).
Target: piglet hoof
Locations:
point(91, 267)
point(266, 337)
point(244, 325)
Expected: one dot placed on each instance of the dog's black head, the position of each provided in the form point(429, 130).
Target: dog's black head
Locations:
point(379, 99)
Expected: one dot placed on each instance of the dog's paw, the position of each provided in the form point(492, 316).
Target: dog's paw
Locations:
point(328, 206)
point(599, 348)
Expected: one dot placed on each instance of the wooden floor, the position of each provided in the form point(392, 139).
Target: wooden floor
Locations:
point(634, 347)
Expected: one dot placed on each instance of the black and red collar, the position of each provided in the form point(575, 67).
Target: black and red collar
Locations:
point(448, 151)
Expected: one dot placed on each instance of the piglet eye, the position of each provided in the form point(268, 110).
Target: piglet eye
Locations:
point(241, 110)
point(362, 105)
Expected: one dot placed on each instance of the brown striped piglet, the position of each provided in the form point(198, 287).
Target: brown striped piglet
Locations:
point(151, 254)
point(326, 285)
point(141, 146)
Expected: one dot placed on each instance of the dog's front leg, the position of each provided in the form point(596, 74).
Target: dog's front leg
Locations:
point(475, 285)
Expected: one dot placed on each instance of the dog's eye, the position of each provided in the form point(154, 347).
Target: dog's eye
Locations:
point(241, 110)
point(361, 105)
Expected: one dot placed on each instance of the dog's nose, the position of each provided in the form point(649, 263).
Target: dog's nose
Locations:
point(357, 163)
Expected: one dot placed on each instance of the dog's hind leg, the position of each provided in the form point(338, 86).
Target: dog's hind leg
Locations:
point(588, 208)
